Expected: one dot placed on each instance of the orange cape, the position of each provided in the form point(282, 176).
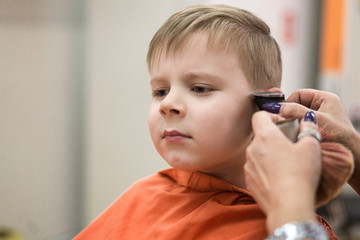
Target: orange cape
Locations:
point(175, 204)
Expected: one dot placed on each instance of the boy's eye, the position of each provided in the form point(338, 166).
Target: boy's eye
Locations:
point(160, 92)
point(201, 89)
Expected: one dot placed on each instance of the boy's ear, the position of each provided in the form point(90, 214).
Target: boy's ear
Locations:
point(274, 89)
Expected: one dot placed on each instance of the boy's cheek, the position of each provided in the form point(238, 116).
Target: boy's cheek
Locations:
point(153, 130)
point(153, 114)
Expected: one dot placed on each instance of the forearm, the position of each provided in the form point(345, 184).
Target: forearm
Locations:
point(354, 145)
point(354, 181)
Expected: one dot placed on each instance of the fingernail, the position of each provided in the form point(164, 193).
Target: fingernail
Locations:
point(272, 107)
point(310, 117)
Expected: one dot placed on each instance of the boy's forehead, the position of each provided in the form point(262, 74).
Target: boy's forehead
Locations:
point(192, 42)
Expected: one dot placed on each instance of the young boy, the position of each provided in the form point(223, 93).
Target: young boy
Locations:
point(204, 63)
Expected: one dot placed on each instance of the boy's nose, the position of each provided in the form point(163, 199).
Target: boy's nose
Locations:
point(172, 105)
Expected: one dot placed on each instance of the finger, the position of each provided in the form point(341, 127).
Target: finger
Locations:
point(320, 101)
point(310, 98)
point(303, 96)
point(264, 121)
point(293, 110)
point(309, 128)
point(266, 129)
point(276, 117)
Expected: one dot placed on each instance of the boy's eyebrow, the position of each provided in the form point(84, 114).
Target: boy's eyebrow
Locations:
point(202, 74)
point(190, 76)
point(156, 79)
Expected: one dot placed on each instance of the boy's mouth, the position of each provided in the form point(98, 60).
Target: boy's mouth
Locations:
point(173, 135)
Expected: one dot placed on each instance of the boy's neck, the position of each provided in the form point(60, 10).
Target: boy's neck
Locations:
point(232, 175)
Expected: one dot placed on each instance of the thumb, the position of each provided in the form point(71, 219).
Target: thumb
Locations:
point(309, 129)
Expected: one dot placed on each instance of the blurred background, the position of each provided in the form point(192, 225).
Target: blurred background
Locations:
point(74, 96)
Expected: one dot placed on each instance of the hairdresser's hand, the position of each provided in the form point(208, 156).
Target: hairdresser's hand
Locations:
point(282, 176)
point(334, 125)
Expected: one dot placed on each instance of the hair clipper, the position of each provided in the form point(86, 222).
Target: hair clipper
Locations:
point(290, 127)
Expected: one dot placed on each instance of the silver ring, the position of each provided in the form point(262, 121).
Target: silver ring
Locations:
point(309, 132)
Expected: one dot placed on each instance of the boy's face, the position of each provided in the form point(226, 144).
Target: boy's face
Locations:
point(200, 113)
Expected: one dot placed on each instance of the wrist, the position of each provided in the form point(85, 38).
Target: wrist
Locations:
point(275, 221)
point(299, 230)
point(300, 209)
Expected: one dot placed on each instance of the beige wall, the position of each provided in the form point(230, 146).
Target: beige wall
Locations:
point(40, 146)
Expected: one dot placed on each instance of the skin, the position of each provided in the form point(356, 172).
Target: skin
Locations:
point(334, 123)
point(201, 98)
point(267, 166)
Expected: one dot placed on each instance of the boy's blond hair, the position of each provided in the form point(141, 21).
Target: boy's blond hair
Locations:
point(237, 30)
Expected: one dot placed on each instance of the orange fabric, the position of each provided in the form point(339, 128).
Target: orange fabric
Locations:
point(332, 35)
point(176, 204)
